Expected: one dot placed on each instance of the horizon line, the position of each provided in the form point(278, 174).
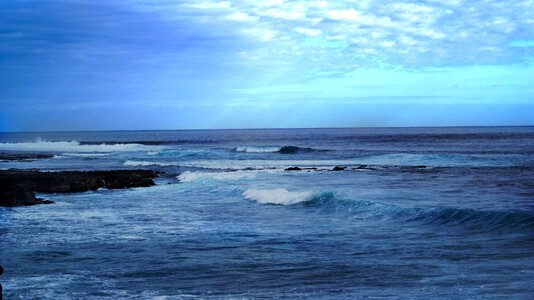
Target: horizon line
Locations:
point(268, 128)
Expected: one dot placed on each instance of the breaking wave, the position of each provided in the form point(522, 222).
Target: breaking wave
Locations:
point(85, 154)
point(273, 149)
point(278, 196)
point(136, 163)
point(471, 218)
point(73, 146)
point(189, 176)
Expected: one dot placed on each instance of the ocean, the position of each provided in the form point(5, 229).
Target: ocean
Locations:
point(411, 213)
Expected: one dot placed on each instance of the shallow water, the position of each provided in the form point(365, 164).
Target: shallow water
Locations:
point(418, 213)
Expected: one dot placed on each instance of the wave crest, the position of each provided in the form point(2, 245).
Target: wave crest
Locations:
point(189, 176)
point(463, 217)
point(73, 146)
point(141, 163)
point(275, 149)
point(278, 196)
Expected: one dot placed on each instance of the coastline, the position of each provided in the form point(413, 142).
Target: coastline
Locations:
point(18, 187)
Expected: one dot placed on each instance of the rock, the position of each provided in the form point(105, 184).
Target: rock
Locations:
point(338, 168)
point(18, 187)
point(23, 156)
point(16, 195)
point(293, 169)
point(364, 167)
point(45, 202)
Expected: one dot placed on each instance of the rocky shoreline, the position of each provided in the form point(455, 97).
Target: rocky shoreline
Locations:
point(6, 156)
point(18, 187)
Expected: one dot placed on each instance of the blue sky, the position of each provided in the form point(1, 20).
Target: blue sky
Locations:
point(161, 64)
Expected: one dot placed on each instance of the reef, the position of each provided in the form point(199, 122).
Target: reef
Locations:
point(18, 187)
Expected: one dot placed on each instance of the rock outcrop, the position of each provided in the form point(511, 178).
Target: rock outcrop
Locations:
point(23, 156)
point(293, 169)
point(18, 187)
point(338, 168)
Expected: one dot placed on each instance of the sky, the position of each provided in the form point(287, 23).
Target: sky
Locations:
point(162, 64)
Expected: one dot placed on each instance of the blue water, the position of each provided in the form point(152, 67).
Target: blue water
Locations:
point(418, 213)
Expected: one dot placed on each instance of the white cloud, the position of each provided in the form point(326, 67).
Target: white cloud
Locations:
point(421, 33)
point(242, 17)
point(263, 34)
point(212, 5)
point(280, 14)
point(308, 31)
point(352, 15)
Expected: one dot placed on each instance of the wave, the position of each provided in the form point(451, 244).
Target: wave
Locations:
point(229, 164)
point(278, 196)
point(433, 137)
point(85, 154)
point(251, 149)
point(151, 143)
point(189, 176)
point(275, 149)
point(136, 163)
point(73, 146)
point(464, 217)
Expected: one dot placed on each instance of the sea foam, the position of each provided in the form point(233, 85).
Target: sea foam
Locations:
point(189, 176)
point(142, 163)
point(258, 149)
point(73, 146)
point(445, 216)
point(275, 149)
point(278, 196)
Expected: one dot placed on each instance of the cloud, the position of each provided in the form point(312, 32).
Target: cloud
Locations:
point(241, 17)
point(411, 34)
point(211, 5)
point(308, 31)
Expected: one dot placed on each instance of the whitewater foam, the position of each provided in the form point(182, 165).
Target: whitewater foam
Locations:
point(142, 163)
point(85, 154)
point(189, 176)
point(447, 216)
point(73, 146)
point(229, 164)
point(257, 149)
point(278, 196)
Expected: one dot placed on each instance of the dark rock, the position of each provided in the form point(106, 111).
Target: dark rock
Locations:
point(23, 156)
point(364, 167)
point(293, 169)
point(18, 187)
point(338, 168)
point(41, 201)
point(16, 195)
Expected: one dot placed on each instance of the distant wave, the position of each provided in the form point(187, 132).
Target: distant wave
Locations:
point(434, 137)
point(249, 164)
point(85, 154)
point(472, 218)
point(151, 143)
point(273, 149)
point(72, 146)
point(136, 163)
point(189, 176)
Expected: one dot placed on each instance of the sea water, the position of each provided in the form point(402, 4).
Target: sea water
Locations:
point(417, 213)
